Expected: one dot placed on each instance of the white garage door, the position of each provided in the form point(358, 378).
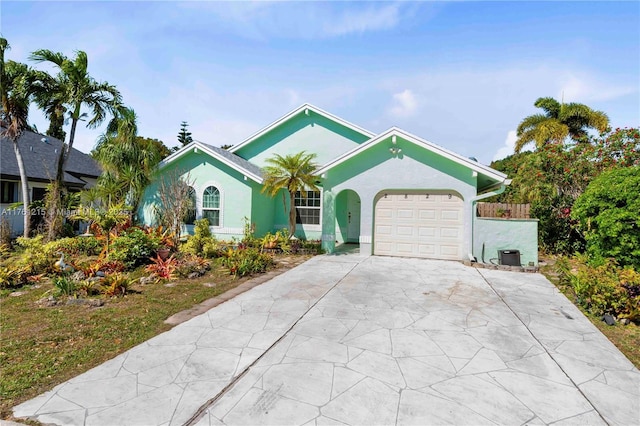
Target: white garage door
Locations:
point(419, 224)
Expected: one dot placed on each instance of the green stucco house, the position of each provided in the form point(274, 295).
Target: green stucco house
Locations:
point(392, 193)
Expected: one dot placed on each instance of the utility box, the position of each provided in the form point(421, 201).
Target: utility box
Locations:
point(509, 257)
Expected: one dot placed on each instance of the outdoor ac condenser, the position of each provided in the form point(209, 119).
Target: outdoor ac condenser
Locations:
point(509, 257)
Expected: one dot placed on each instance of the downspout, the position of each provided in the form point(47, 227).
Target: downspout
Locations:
point(501, 186)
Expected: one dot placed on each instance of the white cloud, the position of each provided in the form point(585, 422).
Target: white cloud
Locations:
point(405, 104)
point(585, 89)
point(360, 21)
point(507, 148)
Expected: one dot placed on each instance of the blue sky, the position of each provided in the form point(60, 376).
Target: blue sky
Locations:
point(459, 74)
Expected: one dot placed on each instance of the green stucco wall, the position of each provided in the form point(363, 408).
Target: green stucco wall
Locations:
point(236, 194)
point(312, 133)
point(504, 234)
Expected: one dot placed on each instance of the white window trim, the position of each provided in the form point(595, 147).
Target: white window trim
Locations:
point(309, 227)
point(199, 199)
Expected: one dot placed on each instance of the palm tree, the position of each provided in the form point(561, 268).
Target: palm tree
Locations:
point(71, 90)
point(128, 160)
point(15, 89)
point(291, 173)
point(559, 121)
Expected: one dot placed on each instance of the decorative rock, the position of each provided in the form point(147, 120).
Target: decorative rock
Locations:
point(47, 301)
point(209, 284)
point(94, 303)
point(78, 276)
point(147, 280)
point(193, 275)
point(625, 321)
point(17, 293)
point(100, 274)
point(170, 285)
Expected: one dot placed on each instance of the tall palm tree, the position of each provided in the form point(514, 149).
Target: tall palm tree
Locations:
point(128, 160)
point(558, 122)
point(71, 90)
point(291, 173)
point(15, 91)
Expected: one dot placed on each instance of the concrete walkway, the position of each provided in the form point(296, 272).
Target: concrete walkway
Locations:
point(365, 340)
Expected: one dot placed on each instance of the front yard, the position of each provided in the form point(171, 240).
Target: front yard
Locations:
point(44, 346)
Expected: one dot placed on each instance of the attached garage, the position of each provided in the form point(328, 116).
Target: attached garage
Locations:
point(413, 223)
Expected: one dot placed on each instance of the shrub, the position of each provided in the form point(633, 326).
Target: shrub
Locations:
point(163, 269)
point(63, 286)
point(36, 257)
point(89, 246)
point(116, 285)
point(608, 215)
point(246, 261)
point(192, 264)
point(605, 288)
point(133, 247)
point(12, 276)
point(201, 243)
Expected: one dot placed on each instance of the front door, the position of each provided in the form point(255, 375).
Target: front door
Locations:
point(353, 217)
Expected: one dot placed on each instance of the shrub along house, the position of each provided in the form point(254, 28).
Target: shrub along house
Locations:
point(393, 193)
point(40, 155)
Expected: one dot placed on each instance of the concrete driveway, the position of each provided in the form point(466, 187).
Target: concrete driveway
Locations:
point(366, 340)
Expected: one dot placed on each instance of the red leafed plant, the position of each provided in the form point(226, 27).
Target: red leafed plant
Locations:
point(163, 269)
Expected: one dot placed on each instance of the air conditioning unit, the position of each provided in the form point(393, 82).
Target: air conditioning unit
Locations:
point(509, 257)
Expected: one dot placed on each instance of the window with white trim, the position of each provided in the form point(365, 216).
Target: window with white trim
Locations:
point(211, 205)
point(308, 208)
point(8, 192)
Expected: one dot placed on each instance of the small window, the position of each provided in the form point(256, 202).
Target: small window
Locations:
point(38, 194)
point(8, 192)
point(190, 214)
point(308, 208)
point(211, 205)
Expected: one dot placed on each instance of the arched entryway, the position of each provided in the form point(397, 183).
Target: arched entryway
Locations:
point(347, 217)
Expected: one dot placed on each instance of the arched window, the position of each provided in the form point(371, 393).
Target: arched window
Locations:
point(211, 205)
point(190, 213)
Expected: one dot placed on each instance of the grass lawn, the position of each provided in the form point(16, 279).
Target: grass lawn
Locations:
point(625, 337)
point(41, 347)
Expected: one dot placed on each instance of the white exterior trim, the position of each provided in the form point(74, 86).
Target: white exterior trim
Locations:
point(199, 209)
point(394, 131)
point(301, 109)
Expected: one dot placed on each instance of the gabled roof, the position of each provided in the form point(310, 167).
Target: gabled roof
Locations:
point(235, 162)
point(41, 160)
point(394, 131)
point(303, 109)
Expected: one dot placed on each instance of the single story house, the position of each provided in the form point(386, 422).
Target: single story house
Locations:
point(392, 193)
point(40, 155)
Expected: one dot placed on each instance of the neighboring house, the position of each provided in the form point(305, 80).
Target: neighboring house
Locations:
point(393, 193)
point(40, 154)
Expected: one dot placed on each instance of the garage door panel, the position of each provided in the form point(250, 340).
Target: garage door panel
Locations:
point(427, 214)
point(450, 233)
point(403, 231)
point(412, 224)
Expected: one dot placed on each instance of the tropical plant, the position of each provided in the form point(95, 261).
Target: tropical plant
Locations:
point(246, 261)
point(116, 285)
point(127, 160)
point(16, 86)
point(290, 174)
point(184, 137)
point(608, 214)
point(71, 89)
point(133, 247)
point(558, 122)
point(163, 268)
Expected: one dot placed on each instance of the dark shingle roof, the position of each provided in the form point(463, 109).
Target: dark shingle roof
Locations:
point(40, 160)
point(241, 162)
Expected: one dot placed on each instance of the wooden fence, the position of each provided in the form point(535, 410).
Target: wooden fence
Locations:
point(504, 210)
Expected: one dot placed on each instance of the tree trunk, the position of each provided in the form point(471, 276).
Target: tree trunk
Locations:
point(25, 189)
point(292, 214)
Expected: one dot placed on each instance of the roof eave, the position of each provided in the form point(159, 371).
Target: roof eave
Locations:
point(292, 114)
point(187, 148)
